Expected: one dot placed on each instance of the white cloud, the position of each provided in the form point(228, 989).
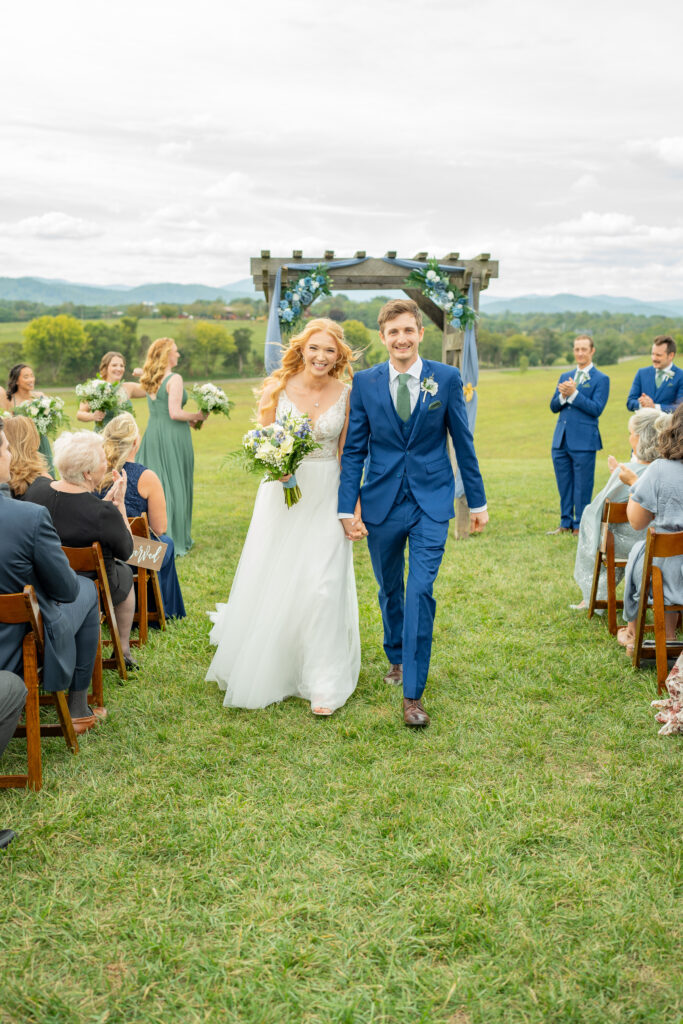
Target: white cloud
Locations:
point(668, 151)
point(52, 225)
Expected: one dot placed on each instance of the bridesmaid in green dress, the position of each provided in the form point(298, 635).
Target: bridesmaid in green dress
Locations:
point(112, 369)
point(21, 388)
point(167, 445)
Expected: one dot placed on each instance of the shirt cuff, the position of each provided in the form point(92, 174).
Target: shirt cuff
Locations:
point(572, 397)
point(473, 511)
point(658, 407)
point(345, 515)
point(563, 400)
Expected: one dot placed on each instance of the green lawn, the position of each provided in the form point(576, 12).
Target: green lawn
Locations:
point(519, 861)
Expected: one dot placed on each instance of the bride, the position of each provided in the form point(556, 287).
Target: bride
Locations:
point(290, 627)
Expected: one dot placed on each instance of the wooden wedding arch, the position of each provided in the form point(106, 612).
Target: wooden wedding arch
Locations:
point(375, 274)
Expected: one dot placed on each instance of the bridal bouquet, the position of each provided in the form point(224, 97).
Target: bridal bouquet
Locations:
point(279, 449)
point(47, 414)
point(210, 398)
point(102, 396)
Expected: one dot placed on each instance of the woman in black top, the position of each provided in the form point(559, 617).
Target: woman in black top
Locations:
point(80, 518)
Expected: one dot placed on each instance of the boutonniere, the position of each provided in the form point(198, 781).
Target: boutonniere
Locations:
point(428, 386)
point(668, 373)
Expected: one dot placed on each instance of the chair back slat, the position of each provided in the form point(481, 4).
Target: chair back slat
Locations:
point(666, 545)
point(615, 512)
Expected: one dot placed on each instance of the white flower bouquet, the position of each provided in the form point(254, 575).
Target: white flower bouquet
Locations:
point(279, 449)
point(47, 414)
point(102, 396)
point(211, 398)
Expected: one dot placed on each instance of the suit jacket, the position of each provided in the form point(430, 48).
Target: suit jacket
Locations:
point(668, 395)
point(374, 426)
point(31, 552)
point(578, 420)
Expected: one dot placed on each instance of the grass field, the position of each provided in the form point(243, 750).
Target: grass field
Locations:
point(519, 861)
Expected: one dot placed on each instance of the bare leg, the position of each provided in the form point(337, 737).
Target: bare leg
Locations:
point(125, 612)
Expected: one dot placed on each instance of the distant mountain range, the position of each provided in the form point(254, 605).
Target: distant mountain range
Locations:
point(53, 292)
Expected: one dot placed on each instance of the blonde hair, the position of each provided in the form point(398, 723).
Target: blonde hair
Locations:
point(105, 361)
point(293, 358)
point(118, 438)
point(76, 454)
point(156, 362)
point(27, 463)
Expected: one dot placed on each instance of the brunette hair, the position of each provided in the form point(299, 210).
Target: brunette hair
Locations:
point(665, 339)
point(585, 337)
point(293, 357)
point(27, 463)
point(156, 361)
point(671, 438)
point(119, 437)
point(13, 379)
point(105, 361)
point(394, 308)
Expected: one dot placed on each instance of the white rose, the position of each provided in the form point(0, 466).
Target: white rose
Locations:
point(287, 446)
point(432, 275)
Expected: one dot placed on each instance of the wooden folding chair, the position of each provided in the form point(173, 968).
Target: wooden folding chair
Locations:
point(613, 512)
point(90, 559)
point(23, 608)
point(139, 527)
point(657, 545)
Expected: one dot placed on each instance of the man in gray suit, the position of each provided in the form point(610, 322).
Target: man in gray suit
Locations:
point(12, 701)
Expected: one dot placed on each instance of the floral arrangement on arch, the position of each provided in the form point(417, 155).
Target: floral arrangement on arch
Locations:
point(435, 285)
point(297, 299)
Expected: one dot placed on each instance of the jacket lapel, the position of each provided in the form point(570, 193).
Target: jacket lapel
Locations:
point(423, 400)
point(384, 398)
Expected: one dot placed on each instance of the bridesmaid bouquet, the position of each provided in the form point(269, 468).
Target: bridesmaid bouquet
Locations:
point(211, 398)
point(279, 449)
point(102, 396)
point(47, 414)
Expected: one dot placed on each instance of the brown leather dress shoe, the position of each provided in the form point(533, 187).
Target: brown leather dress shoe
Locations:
point(82, 725)
point(560, 529)
point(414, 713)
point(394, 675)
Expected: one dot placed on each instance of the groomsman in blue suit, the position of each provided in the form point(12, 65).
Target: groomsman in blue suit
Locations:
point(580, 397)
point(401, 414)
point(659, 386)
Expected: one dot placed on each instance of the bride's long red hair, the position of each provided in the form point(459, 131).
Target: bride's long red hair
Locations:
point(293, 358)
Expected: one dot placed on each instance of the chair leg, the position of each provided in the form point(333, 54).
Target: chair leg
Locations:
point(156, 590)
point(594, 588)
point(32, 727)
point(142, 605)
point(660, 625)
point(65, 721)
point(611, 586)
point(96, 695)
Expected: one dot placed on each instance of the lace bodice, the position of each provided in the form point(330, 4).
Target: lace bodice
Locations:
point(327, 428)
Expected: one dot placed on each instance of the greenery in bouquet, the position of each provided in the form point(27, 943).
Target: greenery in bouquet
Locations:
point(435, 284)
point(278, 450)
point(47, 413)
point(210, 398)
point(298, 298)
point(102, 396)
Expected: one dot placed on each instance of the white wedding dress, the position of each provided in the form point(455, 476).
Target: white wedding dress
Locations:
point(290, 627)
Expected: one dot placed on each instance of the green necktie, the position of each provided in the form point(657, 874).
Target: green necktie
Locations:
point(659, 376)
point(578, 379)
point(403, 397)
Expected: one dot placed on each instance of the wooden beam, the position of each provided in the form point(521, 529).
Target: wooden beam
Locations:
point(329, 254)
point(434, 312)
point(421, 256)
point(265, 254)
point(361, 254)
point(451, 257)
point(296, 254)
point(391, 254)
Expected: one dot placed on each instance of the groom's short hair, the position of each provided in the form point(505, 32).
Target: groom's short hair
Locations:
point(394, 308)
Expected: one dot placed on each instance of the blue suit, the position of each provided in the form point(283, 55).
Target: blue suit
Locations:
point(575, 442)
point(668, 395)
point(408, 495)
point(31, 552)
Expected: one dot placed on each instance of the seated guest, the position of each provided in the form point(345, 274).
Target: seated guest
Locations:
point(144, 493)
point(670, 713)
point(12, 701)
point(644, 427)
point(30, 552)
point(80, 518)
point(657, 499)
point(27, 462)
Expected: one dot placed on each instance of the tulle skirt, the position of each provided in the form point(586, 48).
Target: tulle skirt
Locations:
point(290, 627)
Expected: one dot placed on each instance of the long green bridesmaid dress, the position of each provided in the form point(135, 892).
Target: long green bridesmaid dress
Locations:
point(167, 449)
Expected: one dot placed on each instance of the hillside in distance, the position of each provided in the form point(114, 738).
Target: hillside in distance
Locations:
point(568, 303)
point(53, 292)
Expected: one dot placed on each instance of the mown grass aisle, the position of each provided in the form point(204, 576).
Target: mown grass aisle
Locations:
point(520, 860)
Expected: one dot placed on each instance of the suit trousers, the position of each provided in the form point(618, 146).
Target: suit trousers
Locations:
point(575, 474)
point(407, 608)
point(12, 701)
point(83, 614)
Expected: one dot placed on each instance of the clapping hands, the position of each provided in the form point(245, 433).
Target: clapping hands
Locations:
point(117, 492)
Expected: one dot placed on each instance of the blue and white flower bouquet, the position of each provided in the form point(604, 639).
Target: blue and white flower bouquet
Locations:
point(297, 299)
point(279, 449)
point(102, 396)
point(47, 414)
point(435, 285)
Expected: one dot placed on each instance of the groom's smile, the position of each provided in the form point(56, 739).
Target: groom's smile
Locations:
point(402, 338)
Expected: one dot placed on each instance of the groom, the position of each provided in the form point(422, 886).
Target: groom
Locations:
point(401, 413)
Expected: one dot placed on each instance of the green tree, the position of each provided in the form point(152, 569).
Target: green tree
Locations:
point(242, 337)
point(56, 346)
point(168, 310)
point(211, 341)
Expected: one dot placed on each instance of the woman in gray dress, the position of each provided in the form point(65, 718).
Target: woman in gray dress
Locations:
point(644, 429)
point(657, 499)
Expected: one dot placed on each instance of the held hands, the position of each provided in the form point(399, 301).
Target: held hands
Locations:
point(478, 521)
point(567, 387)
point(354, 529)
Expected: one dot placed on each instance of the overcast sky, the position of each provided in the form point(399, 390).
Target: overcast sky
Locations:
point(172, 141)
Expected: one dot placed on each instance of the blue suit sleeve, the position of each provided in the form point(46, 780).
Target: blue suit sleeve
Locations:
point(463, 443)
point(594, 406)
point(677, 396)
point(634, 394)
point(57, 579)
point(555, 404)
point(354, 453)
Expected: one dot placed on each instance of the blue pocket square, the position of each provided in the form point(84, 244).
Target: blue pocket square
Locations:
point(433, 405)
